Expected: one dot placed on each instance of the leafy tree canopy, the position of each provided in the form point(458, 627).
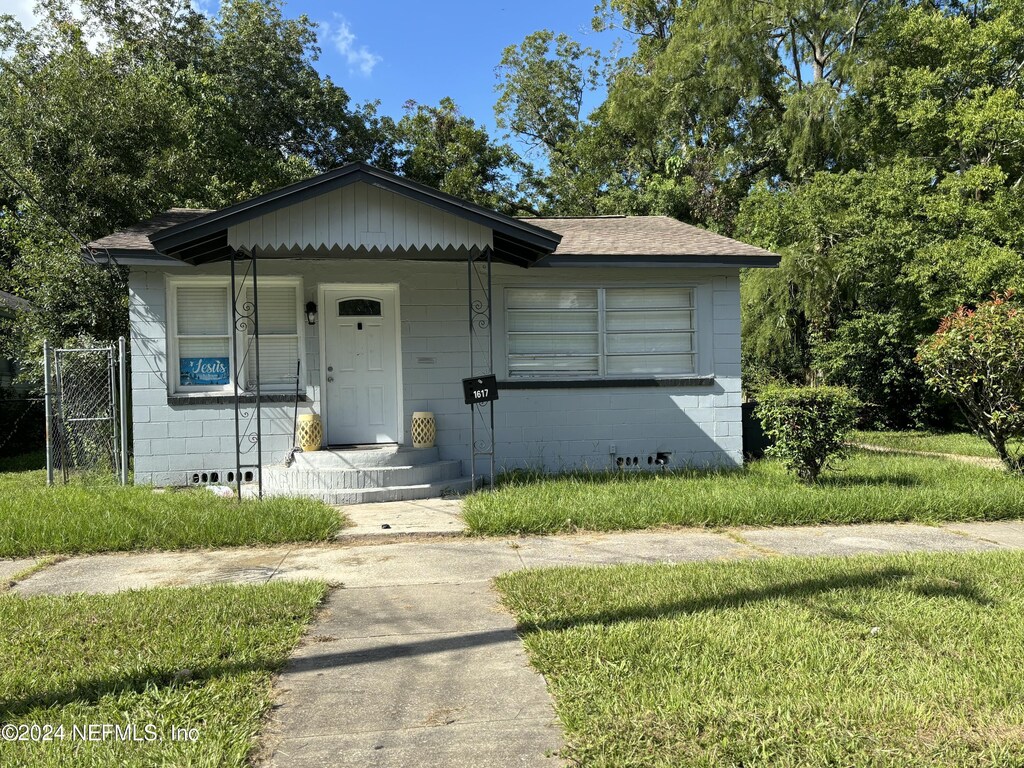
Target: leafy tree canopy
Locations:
point(121, 110)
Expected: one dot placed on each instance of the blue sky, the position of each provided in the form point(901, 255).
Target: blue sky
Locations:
point(399, 50)
point(402, 50)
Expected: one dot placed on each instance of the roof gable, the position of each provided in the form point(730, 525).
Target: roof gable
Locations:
point(360, 219)
point(205, 238)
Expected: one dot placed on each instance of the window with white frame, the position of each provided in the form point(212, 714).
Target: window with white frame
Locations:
point(600, 332)
point(280, 341)
point(201, 335)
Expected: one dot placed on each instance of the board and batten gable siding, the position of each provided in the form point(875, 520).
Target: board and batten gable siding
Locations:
point(359, 216)
point(550, 429)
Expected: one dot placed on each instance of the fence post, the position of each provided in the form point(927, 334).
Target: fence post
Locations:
point(122, 364)
point(49, 412)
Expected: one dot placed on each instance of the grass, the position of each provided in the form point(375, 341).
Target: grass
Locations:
point(198, 658)
point(100, 516)
point(23, 462)
point(870, 488)
point(962, 443)
point(909, 660)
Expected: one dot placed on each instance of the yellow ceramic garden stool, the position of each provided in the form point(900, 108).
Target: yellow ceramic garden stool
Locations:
point(424, 429)
point(310, 432)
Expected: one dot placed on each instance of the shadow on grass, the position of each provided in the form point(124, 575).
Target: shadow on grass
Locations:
point(25, 462)
point(91, 690)
point(800, 590)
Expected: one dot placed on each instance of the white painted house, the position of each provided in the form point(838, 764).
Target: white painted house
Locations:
point(613, 339)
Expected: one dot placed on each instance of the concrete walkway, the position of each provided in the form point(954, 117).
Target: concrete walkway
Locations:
point(413, 662)
point(425, 517)
point(425, 675)
point(357, 563)
point(978, 461)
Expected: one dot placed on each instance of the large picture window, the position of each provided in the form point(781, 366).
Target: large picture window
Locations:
point(201, 335)
point(603, 332)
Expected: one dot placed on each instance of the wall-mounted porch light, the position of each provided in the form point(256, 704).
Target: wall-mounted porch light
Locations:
point(311, 312)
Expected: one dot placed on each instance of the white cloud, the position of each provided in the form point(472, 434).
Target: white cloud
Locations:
point(206, 7)
point(26, 12)
point(344, 40)
point(23, 11)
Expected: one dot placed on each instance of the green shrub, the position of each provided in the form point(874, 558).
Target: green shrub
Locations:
point(977, 359)
point(809, 426)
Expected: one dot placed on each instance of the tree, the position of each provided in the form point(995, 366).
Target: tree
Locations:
point(977, 359)
point(844, 241)
point(542, 83)
point(441, 147)
point(721, 94)
point(128, 109)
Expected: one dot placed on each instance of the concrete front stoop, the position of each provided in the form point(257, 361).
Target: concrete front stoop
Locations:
point(359, 476)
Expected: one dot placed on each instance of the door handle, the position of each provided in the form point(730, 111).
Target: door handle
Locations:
point(330, 379)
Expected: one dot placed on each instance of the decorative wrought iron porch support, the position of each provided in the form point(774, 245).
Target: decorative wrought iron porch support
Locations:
point(481, 359)
point(245, 323)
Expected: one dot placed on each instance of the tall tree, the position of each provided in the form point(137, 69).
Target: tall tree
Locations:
point(124, 110)
point(441, 147)
point(542, 84)
point(722, 93)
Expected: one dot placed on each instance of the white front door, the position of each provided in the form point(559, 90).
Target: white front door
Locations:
point(361, 365)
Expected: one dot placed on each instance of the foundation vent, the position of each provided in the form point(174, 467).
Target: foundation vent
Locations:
point(204, 477)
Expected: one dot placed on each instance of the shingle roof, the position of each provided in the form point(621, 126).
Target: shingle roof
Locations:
point(640, 236)
point(136, 237)
point(582, 236)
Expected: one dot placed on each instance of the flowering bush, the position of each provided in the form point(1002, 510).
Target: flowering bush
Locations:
point(809, 426)
point(977, 359)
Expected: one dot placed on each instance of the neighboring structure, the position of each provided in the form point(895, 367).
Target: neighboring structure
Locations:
point(10, 305)
point(611, 337)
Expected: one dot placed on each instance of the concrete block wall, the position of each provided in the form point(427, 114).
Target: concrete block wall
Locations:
point(549, 429)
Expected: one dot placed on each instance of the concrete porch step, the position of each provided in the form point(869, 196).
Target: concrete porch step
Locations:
point(362, 475)
point(363, 458)
point(281, 480)
point(434, 490)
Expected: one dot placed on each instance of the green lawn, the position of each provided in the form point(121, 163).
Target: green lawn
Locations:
point(102, 516)
point(870, 487)
point(197, 658)
point(962, 443)
point(908, 660)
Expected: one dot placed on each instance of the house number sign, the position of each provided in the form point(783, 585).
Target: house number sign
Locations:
point(480, 389)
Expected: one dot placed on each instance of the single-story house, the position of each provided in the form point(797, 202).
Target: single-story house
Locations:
point(615, 340)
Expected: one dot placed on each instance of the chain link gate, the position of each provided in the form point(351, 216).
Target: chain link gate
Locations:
point(86, 417)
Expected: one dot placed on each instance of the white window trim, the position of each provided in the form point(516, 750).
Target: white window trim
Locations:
point(173, 372)
point(602, 356)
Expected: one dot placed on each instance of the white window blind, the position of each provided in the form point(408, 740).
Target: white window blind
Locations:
point(649, 331)
point(600, 332)
point(202, 338)
point(279, 336)
point(553, 331)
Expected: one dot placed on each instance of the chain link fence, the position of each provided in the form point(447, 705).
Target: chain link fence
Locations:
point(85, 396)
